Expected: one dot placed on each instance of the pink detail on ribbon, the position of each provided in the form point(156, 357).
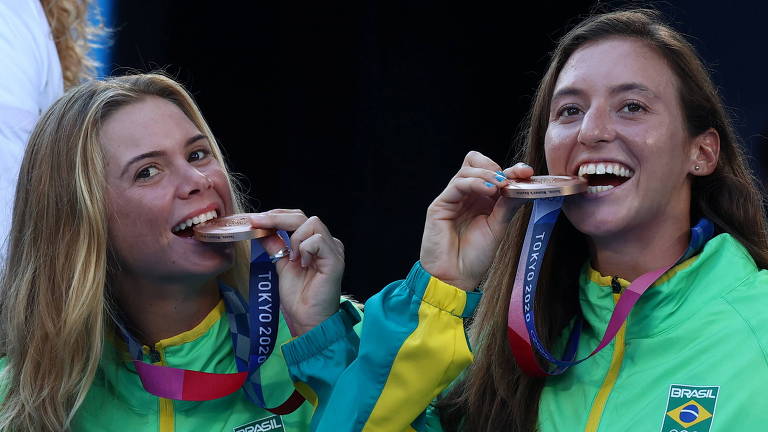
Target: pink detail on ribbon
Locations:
point(161, 381)
point(626, 302)
point(182, 384)
point(517, 333)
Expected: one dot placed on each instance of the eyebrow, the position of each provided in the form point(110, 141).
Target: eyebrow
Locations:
point(632, 87)
point(158, 153)
point(621, 88)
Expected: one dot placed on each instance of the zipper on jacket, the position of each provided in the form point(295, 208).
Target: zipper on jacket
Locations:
point(615, 285)
point(154, 355)
point(166, 416)
point(598, 405)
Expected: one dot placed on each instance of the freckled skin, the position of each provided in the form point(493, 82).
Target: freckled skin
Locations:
point(641, 129)
point(143, 210)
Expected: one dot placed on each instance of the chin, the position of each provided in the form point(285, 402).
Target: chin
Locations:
point(594, 220)
point(214, 267)
point(201, 273)
point(212, 262)
point(596, 228)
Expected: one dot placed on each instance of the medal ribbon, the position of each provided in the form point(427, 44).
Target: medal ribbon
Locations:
point(253, 326)
point(521, 328)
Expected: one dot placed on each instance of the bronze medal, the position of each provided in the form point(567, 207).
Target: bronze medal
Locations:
point(545, 186)
point(229, 229)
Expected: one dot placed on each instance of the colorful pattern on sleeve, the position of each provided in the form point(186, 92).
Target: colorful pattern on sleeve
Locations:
point(412, 346)
point(316, 359)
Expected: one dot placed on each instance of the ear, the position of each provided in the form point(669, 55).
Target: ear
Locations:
point(705, 151)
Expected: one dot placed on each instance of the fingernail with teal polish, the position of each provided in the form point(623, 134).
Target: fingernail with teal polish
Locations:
point(489, 184)
point(501, 173)
point(500, 178)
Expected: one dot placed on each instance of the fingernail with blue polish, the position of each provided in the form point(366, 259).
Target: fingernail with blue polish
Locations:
point(500, 178)
point(489, 184)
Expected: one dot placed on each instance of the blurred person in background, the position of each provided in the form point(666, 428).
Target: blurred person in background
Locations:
point(44, 49)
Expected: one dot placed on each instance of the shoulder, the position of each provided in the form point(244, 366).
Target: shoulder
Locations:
point(749, 296)
point(749, 300)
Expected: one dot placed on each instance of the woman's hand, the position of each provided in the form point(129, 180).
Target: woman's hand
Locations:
point(466, 221)
point(310, 279)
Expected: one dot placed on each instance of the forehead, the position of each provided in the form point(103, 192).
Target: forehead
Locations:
point(150, 124)
point(614, 61)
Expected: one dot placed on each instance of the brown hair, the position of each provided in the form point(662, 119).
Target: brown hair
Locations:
point(54, 299)
point(74, 37)
point(494, 394)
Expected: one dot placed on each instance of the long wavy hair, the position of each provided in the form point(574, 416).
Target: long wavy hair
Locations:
point(54, 296)
point(74, 36)
point(494, 394)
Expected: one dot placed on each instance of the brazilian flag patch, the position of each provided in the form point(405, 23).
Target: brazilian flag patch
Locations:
point(690, 407)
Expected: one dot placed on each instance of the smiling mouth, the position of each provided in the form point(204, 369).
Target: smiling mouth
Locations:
point(184, 229)
point(604, 176)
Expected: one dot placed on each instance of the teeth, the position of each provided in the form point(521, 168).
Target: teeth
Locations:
point(196, 220)
point(600, 168)
point(598, 189)
point(605, 168)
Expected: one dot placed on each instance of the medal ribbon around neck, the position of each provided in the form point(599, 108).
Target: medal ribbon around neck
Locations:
point(253, 326)
point(521, 329)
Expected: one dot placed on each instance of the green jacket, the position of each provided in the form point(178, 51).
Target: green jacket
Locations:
point(117, 401)
point(692, 356)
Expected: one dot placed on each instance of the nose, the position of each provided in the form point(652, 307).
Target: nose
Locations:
point(596, 127)
point(192, 181)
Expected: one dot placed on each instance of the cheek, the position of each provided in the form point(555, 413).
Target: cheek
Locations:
point(556, 149)
point(121, 225)
point(117, 216)
point(660, 140)
point(132, 220)
point(221, 186)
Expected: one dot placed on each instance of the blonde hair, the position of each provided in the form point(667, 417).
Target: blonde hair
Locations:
point(54, 301)
point(74, 36)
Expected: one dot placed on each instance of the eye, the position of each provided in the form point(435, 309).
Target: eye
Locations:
point(568, 111)
point(198, 155)
point(633, 107)
point(147, 173)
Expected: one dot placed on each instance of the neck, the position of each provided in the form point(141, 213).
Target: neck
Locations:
point(156, 310)
point(642, 250)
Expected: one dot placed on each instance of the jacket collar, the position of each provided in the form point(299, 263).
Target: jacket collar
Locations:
point(206, 347)
point(677, 296)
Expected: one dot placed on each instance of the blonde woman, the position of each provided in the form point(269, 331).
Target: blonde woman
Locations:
point(106, 294)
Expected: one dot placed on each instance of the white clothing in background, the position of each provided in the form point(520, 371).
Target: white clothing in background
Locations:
point(30, 81)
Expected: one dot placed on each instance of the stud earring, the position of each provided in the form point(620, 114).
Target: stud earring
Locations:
point(696, 167)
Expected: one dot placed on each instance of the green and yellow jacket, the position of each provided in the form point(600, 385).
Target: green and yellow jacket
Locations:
point(693, 355)
point(117, 401)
